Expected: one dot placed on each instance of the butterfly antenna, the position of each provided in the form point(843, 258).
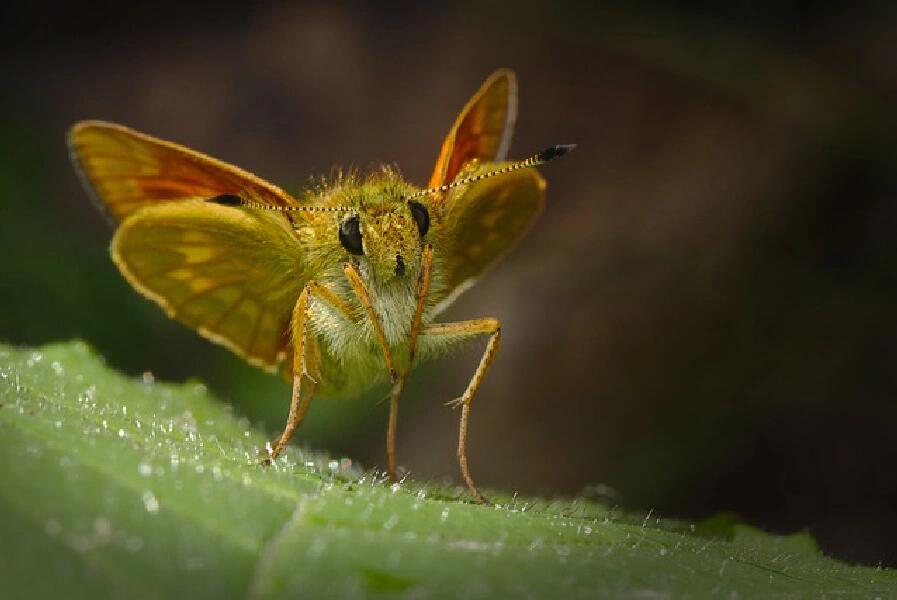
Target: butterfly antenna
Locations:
point(234, 200)
point(535, 160)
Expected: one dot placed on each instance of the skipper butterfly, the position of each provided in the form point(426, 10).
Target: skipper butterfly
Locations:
point(339, 288)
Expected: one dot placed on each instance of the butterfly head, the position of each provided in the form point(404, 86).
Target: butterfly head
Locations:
point(386, 236)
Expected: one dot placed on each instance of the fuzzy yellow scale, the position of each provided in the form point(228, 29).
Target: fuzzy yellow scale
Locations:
point(340, 288)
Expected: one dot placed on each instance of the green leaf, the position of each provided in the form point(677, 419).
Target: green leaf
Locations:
point(119, 487)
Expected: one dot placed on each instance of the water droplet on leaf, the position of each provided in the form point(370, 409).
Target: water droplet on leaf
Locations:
point(150, 503)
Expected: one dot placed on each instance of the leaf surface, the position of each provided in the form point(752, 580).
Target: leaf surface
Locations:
point(116, 487)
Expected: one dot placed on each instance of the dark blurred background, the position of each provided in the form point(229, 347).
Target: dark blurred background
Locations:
point(705, 319)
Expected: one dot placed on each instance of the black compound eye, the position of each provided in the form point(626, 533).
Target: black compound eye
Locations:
point(350, 235)
point(421, 217)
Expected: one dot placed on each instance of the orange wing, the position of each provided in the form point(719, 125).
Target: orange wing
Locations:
point(231, 274)
point(482, 130)
point(125, 170)
point(483, 221)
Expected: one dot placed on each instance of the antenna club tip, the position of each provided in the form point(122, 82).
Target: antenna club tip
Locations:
point(555, 152)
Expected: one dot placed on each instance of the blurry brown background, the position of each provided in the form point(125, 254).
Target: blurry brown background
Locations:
point(704, 320)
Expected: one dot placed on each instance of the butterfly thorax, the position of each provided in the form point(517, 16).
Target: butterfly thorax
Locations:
point(382, 236)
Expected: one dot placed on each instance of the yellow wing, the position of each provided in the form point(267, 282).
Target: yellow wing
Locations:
point(125, 170)
point(482, 130)
point(483, 221)
point(231, 274)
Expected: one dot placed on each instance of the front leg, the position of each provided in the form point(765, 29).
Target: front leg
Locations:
point(398, 383)
point(398, 380)
point(423, 290)
point(361, 291)
point(452, 333)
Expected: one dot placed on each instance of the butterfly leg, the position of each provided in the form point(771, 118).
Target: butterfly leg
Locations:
point(456, 332)
point(398, 380)
point(423, 288)
point(398, 383)
point(306, 366)
point(364, 297)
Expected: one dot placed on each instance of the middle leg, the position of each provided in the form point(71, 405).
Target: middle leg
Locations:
point(453, 333)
